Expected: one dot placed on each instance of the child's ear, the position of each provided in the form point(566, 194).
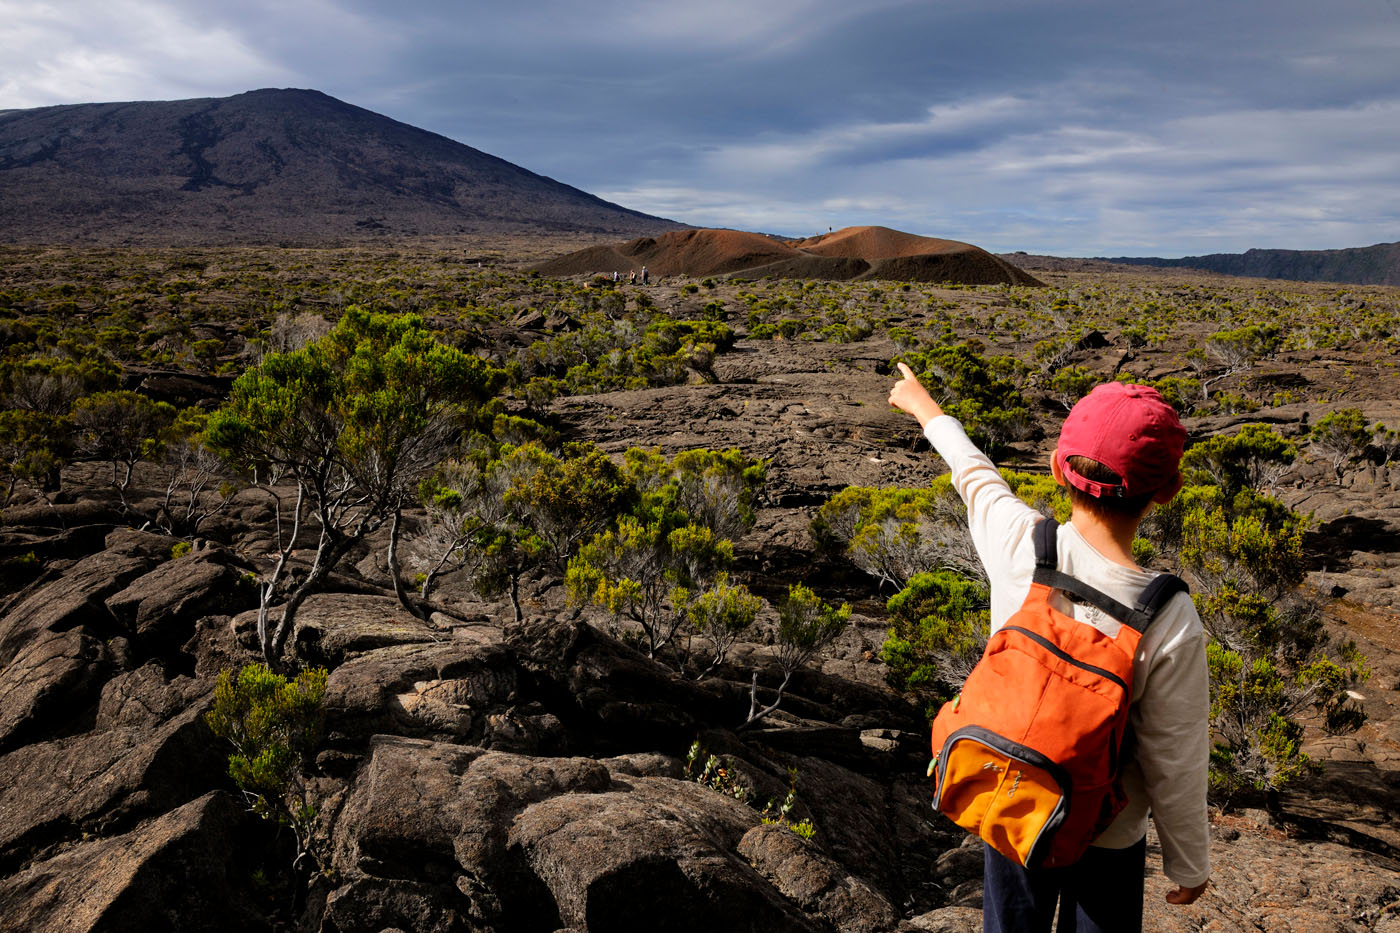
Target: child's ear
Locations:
point(1055, 470)
point(1169, 491)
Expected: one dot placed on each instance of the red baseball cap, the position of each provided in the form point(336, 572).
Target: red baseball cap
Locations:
point(1129, 429)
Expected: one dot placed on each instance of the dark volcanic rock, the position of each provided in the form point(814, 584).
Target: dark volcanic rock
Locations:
point(51, 646)
point(438, 691)
point(48, 684)
point(331, 627)
point(659, 854)
point(610, 697)
point(161, 607)
point(173, 873)
point(103, 781)
point(814, 882)
point(423, 813)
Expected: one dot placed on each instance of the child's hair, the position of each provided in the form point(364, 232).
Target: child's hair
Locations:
point(1105, 507)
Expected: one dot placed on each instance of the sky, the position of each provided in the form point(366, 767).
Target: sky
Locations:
point(1073, 128)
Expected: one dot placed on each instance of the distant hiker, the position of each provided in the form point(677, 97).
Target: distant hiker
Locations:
point(614, 276)
point(632, 277)
point(1118, 455)
point(644, 275)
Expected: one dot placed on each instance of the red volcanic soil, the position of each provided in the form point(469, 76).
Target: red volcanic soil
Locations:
point(875, 243)
point(848, 254)
point(684, 252)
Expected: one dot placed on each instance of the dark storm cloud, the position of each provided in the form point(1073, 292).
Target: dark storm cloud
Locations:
point(1078, 128)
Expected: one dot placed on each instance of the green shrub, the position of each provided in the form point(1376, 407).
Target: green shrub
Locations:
point(981, 393)
point(938, 628)
point(806, 625)
point(657, 564)
point(274, 726)
point(1340, 437)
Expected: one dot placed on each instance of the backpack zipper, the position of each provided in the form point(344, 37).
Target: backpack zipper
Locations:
point(1064, 655)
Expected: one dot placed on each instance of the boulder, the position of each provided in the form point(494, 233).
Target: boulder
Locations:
point(945, 920)
point(48, 685)
point(144, 698)
point(52, 654)
point(612, 698)
point(440, 691)
point(332, 627)
point(133, 542)
point(160, 608)
point(73, 599)
point(46, 544)
point(103, 782)
point(436, 817)
point(395, 905)
point(652, 854)
point(815, 882)
point(172, 873)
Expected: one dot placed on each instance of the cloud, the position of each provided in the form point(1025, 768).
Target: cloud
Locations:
point(1079, 127)
point(121, 50)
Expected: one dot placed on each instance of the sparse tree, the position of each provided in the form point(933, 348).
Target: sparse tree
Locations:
point(123, 427)
point(1340, 437)
point(806, 625)
point(353, 421)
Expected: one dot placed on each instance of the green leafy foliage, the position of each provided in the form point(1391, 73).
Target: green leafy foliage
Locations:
point(806, 625)
point(777, 813)
point(718, 775)
point(630, 353)
point(938, 628)
point(498, 517)
point(894, 533)
point(51, 383)
point(713, 772)
point(123, 427)
point(1255, 457)
point(355, 420)
point(1071, 383)
point(1340, 437)
point(1271, 660)
point(632, 569)
point(33, 448)
point(274, 725)
point(719, 614)
point(655, 566)
point(981, 393)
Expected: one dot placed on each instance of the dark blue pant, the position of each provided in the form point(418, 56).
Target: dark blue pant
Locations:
point(1100, 893)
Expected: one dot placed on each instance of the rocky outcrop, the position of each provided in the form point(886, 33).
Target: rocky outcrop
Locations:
point(103, 781)
point(53, 656)
point(160, 608)
point(442, 691)
point(179, 871)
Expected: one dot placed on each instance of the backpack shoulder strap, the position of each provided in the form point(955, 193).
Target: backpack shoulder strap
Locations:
point(1044, 535)
point(1156, 594)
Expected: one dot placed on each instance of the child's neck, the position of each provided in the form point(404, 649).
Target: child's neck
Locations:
point(1114, 540)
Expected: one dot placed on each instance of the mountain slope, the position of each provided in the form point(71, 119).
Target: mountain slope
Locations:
point(1366, 265)
point(267, 166)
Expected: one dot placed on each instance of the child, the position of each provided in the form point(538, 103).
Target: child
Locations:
point(1118, 455)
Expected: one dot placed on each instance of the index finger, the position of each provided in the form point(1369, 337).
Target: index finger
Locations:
point(905, 371)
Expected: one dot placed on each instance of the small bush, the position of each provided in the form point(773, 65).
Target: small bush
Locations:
point(274, 726)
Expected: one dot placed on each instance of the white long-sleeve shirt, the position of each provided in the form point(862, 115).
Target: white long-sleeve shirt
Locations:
point(1170, 711)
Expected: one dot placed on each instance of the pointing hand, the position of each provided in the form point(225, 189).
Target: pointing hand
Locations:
point(910, 396)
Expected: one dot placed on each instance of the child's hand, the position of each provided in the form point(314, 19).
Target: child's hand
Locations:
point(1180, 895)
point(910, 396)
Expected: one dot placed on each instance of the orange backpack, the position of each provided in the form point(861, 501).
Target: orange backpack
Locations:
point(1029, 756)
